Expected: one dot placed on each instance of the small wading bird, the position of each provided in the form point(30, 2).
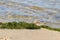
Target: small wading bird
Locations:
point(38, 23)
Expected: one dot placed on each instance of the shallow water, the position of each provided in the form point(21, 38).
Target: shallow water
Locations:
point(50, 12)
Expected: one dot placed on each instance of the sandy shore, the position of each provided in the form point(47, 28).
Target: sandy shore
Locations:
point(23, 34)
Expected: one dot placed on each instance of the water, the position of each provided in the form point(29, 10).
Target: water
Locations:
point(49, 11)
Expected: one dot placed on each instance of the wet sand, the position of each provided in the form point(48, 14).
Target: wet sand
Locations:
point(25, 34)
